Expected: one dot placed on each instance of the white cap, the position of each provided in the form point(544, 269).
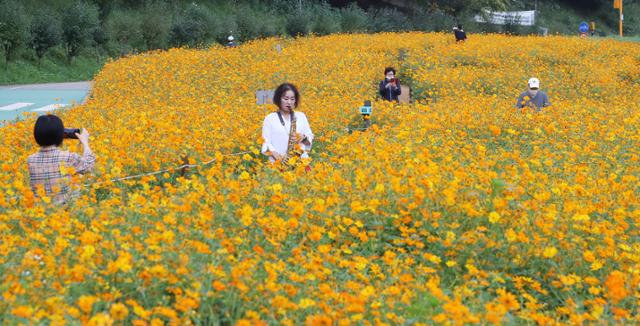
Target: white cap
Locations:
point(534, 83)
point(230, 38)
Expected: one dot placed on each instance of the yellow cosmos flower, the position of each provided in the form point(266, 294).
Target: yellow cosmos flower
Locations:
point(549, 252)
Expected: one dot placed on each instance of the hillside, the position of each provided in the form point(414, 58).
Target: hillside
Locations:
point(71, 40)
point(456, 208)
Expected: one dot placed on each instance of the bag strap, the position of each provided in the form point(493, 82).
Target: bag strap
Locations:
point(280, 117)
point(293, 117)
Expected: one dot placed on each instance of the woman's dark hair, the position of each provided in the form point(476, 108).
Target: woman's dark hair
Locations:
point(387, 69)
point(459, 26)
point(283, 88)
point(48, 130)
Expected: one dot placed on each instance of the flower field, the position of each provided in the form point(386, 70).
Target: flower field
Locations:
point(454, 209)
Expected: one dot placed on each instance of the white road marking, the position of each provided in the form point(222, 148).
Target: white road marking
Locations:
point(15, 106)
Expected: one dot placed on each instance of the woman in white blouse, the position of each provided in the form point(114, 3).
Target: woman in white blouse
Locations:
point(277, 125)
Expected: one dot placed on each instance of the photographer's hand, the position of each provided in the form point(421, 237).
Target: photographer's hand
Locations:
point(83, 137)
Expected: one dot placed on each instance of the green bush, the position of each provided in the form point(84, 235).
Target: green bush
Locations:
point(431, 21)
point(298, 23)
point(254, 22)
point(99, 38)
point(14, 26)
point(45, 32)
point(124, 29)
point(327, 20)
point(631, 24)
point(192, 27)
point(155, 25)
point(225, 25)
point(388, 20)
point(354, 19)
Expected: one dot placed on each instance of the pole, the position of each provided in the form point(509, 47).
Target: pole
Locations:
point(621, 18)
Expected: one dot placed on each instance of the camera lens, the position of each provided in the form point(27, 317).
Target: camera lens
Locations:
point(71, 133)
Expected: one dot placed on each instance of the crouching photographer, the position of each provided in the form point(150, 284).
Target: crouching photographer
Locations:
point(390, 89)
point(49, 167)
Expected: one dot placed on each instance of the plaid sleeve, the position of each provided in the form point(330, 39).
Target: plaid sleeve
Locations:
point(82, 164)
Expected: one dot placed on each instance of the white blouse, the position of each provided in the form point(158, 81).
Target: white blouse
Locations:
point(276, 136)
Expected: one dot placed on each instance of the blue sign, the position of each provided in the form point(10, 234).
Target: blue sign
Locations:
point(584, 27)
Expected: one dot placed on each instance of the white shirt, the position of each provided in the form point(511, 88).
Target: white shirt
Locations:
point(276, 136)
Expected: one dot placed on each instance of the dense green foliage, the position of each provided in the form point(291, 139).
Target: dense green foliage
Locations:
point(45, 32)
point(13, 27)
point(31, 29)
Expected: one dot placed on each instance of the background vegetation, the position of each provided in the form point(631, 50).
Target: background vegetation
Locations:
point(454, 209)
point(71, 40)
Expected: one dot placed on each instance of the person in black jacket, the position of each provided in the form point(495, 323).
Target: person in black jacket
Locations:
point(460, 34)
point(390, 86)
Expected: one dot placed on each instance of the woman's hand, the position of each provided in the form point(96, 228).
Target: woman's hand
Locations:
point(302, 138)
point(277, 156)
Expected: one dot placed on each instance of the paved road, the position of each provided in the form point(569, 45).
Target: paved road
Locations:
point(40, 98)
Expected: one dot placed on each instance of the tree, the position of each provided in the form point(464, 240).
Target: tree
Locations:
point(99, 41)
point(14, 26)
point(354, 19)
point(155, 25)
point(45, 33)
point(455, 8)
point(123, 28)
point(79, 22)
point(327, 20)
point(104, 8)
point(192, 26)
point(298, 23)
point(388, 20)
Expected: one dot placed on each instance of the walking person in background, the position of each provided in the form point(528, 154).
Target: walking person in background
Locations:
point(390, 88)
point(592, 28)
point(286, 133)
point(533, 98)
point(459, 33)
point(47, 167)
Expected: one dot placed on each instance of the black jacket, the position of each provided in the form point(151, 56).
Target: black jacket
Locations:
point(390, 94)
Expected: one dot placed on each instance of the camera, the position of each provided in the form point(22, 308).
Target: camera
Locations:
point(71, 133)
point(393, 80)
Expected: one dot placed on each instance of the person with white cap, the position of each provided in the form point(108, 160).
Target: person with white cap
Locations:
point(231, 41)
point(533, 98)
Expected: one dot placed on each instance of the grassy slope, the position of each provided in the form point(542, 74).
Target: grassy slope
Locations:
point(53, 68)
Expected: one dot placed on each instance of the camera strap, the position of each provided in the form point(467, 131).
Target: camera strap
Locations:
point(282, 119)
